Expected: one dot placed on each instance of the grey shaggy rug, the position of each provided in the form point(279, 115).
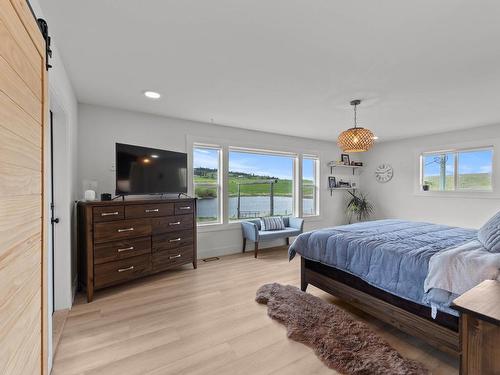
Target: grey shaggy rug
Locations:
point(342, 343)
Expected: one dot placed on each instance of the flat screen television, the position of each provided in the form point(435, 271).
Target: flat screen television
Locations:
point(144, 170)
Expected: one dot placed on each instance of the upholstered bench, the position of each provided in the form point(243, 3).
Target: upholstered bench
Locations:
point(252, 231)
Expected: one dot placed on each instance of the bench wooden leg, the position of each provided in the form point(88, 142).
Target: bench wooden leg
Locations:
point(244, 244)
point(256, 249)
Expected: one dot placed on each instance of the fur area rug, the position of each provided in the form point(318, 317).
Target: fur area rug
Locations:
point(341, 342)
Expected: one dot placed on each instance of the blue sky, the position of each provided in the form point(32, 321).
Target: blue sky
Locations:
point(265, 165)
point(468, 162)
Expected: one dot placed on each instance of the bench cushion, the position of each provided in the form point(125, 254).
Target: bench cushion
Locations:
point(287, 232)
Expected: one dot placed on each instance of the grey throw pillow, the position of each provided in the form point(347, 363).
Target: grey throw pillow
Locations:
point(489, 234)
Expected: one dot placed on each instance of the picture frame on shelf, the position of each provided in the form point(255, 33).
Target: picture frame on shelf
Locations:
point(346, 160)
point(332, 182)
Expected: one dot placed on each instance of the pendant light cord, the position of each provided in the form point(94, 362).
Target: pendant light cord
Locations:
point(355, 116)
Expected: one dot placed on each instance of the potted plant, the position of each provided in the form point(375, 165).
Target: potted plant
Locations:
point(426, 186)
point(358, 207)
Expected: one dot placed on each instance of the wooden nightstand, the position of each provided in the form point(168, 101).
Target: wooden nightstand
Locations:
point(480, 329)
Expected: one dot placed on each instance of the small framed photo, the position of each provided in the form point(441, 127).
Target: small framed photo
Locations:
point(345, 159)
point(332, 182)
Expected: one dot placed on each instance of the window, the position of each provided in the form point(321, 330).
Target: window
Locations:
point(458, 170)
point(207, 183)
point(260, 184)
point(310, 189)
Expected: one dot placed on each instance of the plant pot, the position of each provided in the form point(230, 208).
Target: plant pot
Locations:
point(425, 187)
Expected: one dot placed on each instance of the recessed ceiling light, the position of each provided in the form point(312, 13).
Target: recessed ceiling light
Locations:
point(154, 156)
point(152, 95)
point(375, 137)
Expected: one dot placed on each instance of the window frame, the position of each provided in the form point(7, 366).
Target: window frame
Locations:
point(219, 185)
point(257, 151)
point(456, 165)
point(316, 189)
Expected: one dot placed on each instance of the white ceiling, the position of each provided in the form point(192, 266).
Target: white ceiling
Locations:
point(289, 66)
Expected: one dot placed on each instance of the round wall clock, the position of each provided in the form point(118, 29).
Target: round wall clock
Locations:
point(384, 173)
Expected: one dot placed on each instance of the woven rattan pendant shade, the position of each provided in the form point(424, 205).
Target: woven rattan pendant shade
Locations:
point(355, 139)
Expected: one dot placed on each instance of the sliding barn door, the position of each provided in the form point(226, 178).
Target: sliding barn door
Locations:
point(22, 253)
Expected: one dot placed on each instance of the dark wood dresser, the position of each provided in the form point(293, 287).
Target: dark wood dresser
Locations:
point(119, 241)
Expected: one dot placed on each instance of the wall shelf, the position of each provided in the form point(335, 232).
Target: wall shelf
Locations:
point(353, 167)
point(341, 188)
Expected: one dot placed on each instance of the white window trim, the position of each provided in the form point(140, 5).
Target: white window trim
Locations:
point(220, 184)
point(317, 167)
point(295, 173)
point(226, 144)
point(457, 192)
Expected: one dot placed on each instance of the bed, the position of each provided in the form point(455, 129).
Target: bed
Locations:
point(404, 273)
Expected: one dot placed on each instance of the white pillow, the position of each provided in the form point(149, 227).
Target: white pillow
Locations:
point(272, 223)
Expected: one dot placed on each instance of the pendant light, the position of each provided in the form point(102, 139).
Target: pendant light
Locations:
point(355, 139)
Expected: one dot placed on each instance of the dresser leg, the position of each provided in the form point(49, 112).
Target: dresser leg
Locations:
point(90, 294)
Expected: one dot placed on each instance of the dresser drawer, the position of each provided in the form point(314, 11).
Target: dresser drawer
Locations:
point(118, 230)
point(108, 213)
point(172, 240)
point(166, 259)
point(107, 274)
point(171, 224)
point(149, 210)
point(111, 251)
point(184, 208)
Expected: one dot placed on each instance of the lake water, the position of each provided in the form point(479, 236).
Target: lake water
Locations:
point(252, 206)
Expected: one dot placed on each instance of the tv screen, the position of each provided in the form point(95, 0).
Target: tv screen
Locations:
point(144, 170)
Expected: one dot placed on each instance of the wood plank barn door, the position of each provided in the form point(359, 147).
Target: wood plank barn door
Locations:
point(23, 114)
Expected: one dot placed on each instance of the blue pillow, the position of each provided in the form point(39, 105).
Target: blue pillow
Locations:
point(272, 223)
point(489, 234)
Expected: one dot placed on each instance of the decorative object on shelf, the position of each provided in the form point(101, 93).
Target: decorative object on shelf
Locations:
point(334, 164)
point(343, 184)
point(345, 159)
point(332, 182)
point(384, 173)
point(356, 139)
point(426, 186)
point(358, 206)
point(357, 163)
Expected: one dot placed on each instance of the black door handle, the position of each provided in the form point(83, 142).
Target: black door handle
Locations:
point(55, 221)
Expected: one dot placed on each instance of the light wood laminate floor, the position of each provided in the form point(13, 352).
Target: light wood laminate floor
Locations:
point(204, 321)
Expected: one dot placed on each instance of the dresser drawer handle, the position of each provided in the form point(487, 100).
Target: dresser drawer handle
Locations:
point(152, 210)
point(176, 223)
point(185, 208)
point(126, 249)
point(175, 256)
point(175, 240)
point(126, 269)
point(125, 230)
point(109, 213)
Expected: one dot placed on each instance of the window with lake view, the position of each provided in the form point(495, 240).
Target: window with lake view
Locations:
point(260, 184)
point(458, 170)
point(310, 187)
point(207, 183)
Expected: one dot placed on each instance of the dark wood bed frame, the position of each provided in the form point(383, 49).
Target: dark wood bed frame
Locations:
point(409, 317)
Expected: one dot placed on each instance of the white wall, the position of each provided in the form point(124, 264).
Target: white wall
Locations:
point(101, 127)
point(401, 198)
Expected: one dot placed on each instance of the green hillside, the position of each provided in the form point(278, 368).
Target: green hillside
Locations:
point(478, 181)
point(283, 187)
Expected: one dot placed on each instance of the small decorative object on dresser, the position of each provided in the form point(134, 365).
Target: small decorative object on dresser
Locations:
point(125, 240)
point(480, 329)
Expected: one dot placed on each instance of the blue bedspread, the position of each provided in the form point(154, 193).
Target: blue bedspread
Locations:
point(392, 255)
